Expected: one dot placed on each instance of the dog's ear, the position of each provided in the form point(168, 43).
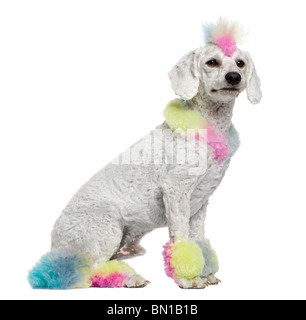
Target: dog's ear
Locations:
point(184, 76)
point(253, 82)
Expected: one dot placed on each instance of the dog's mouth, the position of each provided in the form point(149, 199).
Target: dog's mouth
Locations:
point(226, 90)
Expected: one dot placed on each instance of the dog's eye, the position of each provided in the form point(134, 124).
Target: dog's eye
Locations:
point(240, 63)
point(212, 63)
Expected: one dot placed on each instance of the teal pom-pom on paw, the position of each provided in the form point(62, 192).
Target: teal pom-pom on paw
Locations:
point(211, 260)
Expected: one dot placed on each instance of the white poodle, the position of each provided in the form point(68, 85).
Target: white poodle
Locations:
point(158, 182)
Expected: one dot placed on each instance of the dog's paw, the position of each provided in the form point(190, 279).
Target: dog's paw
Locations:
point(183, 259)
point(196, 283)
point(212, 280)
point(116, 274)
point(136, 281)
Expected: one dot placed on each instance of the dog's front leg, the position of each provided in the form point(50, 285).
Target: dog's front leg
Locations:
point(177, 204)
point(197, 224)
point(197, 233)
point(184, 261)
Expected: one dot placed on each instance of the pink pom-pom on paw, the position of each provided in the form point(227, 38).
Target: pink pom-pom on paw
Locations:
point(167, 254)
point(114, 280)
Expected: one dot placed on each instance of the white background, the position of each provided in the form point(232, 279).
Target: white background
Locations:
point(80, 81)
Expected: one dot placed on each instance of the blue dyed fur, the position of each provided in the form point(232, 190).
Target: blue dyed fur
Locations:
point(58, 269)
point(211, 260)
point(207, 32)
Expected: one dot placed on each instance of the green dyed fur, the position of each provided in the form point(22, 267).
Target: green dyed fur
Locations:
point(179, 118)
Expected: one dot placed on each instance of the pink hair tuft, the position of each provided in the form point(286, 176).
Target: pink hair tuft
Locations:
point(224, 34)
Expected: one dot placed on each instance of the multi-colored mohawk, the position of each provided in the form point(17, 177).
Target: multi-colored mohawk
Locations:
point(225, 34)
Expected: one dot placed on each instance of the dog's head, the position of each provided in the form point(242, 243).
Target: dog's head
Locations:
point(222, 71)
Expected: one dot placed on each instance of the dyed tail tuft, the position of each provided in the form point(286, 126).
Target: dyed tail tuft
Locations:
point(60, 269)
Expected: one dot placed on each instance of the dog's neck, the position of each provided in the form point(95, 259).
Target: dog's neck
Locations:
point(219, 114)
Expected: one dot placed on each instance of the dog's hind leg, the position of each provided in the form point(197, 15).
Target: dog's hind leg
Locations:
point(94, 232)
point(97, 234)
point(130, 245)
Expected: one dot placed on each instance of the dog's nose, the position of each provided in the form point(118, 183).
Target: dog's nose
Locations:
point(233, 78)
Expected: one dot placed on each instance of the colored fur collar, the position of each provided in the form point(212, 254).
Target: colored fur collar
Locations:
point(179, 118)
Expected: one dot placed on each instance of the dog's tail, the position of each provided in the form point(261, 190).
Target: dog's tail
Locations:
point(60, 269)
point(63, 269)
